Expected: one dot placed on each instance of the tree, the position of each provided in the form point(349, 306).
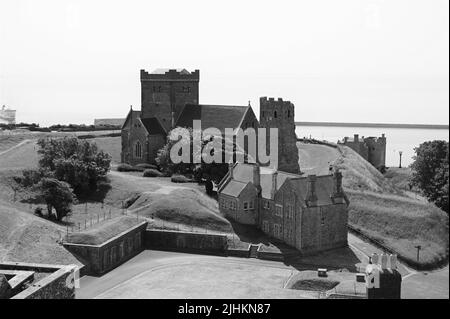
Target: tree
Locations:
point(431, 172)
point(76, 162)
point(58, 195)
point(200, 171)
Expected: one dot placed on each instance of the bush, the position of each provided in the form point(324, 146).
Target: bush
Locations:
point(125, 168)
point(180, 179)
point(38, 211)
point(145, 166)
point(152, 173)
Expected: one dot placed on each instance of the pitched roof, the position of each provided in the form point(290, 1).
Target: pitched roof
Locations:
point(131, 113)
point(324, 188)
point(244, 173)
point(153, 126)
point(233, 188)
point(217, 116)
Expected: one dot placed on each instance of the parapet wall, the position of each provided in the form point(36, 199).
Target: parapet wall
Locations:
point(185, 241)
point(170, 75)
point(59, 284)
point(102, 258)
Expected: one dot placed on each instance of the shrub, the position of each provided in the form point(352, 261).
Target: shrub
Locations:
point(145, 166)
point(125, 168)
point(152, 173)
point(180, 179)
point(38, 211)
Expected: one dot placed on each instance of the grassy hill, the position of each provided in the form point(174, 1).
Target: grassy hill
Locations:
point(383, 210)
point(24, 237)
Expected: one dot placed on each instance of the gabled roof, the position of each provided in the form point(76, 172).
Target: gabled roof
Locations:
point(153, 126)
point(217, 116)
point(234, 188)
point(324, 188)
point(244, 174)
point(130, 113)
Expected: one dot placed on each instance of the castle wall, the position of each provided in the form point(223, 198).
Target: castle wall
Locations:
point(280, 114)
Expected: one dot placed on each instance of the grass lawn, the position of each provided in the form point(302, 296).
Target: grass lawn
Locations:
point(103, 231)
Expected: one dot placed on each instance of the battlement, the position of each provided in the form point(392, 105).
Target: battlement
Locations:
point(271, 102)
point(170, 75)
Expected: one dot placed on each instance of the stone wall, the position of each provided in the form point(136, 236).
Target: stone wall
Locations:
point(185, 241)
point(102, 258)
point(59, 284)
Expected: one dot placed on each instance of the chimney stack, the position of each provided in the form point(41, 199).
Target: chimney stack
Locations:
point(256, 175)
point(311, 197)
point(274, 184)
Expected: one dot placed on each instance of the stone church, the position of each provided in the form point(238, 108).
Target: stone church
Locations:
point(170, 98)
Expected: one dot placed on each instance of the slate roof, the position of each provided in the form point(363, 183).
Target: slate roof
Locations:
point(153, 126)
point(243, 174)
point(324, 188)
point(218, 116)
point(234, 188)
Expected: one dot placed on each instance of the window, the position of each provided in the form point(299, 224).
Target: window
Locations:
point(186, 89)
point(275, 114)
point(266, 204)
point(245, 205)
point(289, 113)
point(279, 210)
point(265, 226)
point(277, 230)
point(138, 150)
point(251, 205)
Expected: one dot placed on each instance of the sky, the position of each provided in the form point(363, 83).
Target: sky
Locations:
point(67, 61)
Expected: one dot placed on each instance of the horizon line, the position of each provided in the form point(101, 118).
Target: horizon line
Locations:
point(380, 125)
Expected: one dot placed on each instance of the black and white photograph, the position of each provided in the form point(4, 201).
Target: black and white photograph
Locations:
point(224, 156)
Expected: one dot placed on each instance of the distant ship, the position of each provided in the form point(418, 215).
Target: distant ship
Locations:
point(7, 116)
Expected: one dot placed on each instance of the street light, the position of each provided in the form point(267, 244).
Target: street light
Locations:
point(419, 247)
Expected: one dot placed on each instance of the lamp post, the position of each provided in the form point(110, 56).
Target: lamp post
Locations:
point(419, 247)
point(400, 153)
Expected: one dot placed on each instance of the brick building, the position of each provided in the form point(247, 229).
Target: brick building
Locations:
point(372, 149)
point(309, 213)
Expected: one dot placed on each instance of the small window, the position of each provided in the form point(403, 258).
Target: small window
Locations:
point(275, 114)
point(245, 205)
point(279, 210)
point(251, 205)
point(265, 226)
point(289, 113)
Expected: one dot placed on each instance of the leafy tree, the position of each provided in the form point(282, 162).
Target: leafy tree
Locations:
point(57, 194)
point(76, 162)
point(200, 171)
point(431, 172)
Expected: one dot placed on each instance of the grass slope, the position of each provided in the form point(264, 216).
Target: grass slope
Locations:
point(381, 208)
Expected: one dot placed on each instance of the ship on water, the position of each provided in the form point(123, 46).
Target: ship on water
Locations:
point(7, 116)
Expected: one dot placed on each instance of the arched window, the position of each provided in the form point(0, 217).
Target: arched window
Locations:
point(138, 150)
point(275, 114)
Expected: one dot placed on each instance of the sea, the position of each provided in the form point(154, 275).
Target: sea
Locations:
point(397, 139)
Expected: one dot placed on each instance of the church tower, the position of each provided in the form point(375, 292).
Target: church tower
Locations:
point(165, 92)
point(280, 114)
